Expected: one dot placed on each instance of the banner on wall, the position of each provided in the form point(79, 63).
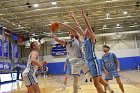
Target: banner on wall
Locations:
point(12, 50)
point(16, 51)
point(6, 43)
point(7, 66)
point(2, 37)
point(23, 66)
point(1, 65)
point(14, 36)
point(0, 48)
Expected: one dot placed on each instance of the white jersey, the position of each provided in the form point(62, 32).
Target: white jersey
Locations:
point(74, 48)
point(30, 68)
point(76, 57)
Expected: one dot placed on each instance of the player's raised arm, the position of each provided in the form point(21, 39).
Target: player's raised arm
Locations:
point(71, 29)
point(90, 30)
point(80, 30)
point(62, 42)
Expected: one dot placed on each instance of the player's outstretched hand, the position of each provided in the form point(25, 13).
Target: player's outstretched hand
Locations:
point(71, 14)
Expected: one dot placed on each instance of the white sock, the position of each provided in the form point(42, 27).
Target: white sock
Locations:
point(109, 88)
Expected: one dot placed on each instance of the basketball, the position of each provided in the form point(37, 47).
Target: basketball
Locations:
point(54, 26)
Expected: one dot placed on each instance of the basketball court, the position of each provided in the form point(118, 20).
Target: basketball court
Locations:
point(52, 84)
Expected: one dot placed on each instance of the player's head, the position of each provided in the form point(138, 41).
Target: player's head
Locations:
point(35, 45)
point(106, 48)
point(87, 31)
point(71, 35)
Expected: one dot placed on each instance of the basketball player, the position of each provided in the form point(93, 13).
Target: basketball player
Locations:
point(93, 63)
point(111, 66)
point(29, 72)
point(67, 69)
point(73, 46)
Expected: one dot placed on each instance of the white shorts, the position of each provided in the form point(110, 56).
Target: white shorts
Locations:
point(78, 64)
point(29, 79)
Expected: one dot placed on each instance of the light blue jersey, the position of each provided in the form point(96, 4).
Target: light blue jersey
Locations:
point(89, 49)
point(93, 62)
point(109, 61)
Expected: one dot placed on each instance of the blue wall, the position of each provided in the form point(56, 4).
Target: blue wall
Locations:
point(56, 68)
point(127, 63)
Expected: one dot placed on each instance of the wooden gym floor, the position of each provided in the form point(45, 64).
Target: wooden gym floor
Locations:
point(52, 84)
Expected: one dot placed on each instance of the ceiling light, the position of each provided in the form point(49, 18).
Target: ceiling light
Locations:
point(118, 25)
point(4, 27)
point(27, 31)
point(108, 1)
point(49, 24)
point(104, 26)
point(125, 12)
point(107, 16)
point(19, 25)
point(66, 22)
point(135, 23)
point(33, 34)
point(35, 5)
point(134, 26)
point(53, 3)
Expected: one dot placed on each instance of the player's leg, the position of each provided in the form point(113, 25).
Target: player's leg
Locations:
point(75, 70)
point(95, 71)
point(28, 83)
point(66, 79)
point(30, 89)
point(101, 80)
point(97, 84)
point(106, 85)
point(75, 83)
point(85, 69)
point(34, 83)
point(120, 84)
point(117, 76)
point(65, 82)
point(36, 88)
point(78, 80)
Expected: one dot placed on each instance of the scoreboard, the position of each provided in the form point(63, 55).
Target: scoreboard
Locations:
point(58, 50)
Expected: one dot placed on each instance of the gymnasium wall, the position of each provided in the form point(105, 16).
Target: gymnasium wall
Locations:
point(126, 47)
